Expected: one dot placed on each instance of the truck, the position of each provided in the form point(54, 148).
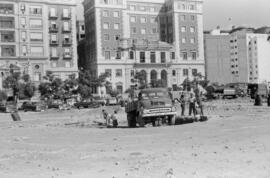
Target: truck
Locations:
point(152, 105)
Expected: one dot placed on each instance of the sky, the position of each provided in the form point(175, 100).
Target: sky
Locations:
point(226, 13)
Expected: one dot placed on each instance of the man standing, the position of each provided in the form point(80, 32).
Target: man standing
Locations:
point(182, 104)
point(192, 101)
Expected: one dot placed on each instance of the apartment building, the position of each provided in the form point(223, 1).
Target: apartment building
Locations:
point(37, 36)
point(240, 55)
point(80, 30)
point(161, 38)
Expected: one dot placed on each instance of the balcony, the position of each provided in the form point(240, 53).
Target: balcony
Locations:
point(7, 37)
point(66, 30)
point(67, 56)
point(53, 29)
point(54, 57)
point(54, 42)
point(53, 16)
point(6, 9)
point(67, 42)
point(7, 22)
point(66, 16)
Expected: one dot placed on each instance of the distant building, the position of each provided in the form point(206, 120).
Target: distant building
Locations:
point(241, 55)
point(37, 36)
point(80, 26)
point(163, 39)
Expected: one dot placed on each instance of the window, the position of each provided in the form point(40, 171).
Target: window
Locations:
point(52, 12)
point(36, 37)
point(194, 55)
point(23, 36)
point(7, 50)
point(36, 50)
point(154, 30)
point(173, 73)
point(184, 55)
point(54, 52)
point(118, 55)
point(109, 72)
point(143, 19)
point(192, 17)
point(116, 14)
point(117, 37)
point(134, 30)
point(153, 19)
point(106, 13)
point(37, 76)
point(191, 7)
point(143, 31)
point(142, 57)
point(106, 25)
point(67, 52)
point(35, 23)
point(118, 73)
point(132, 19)
point(192, 40)
point(6, 9)
point(185, 72)
point(53, 64)
point(23, 22)
point(182, 17)
point(106, 37)
point(162, 57)
point(142, 8)
point(66, 13)
point(107, 55)
point(132, 7)
point(131, 54)
point(105, 1)
point(153, 57)
point(66, 26)
point(53, 38)
point(183, 29)
point(36, 10)
point(184, 40)
point(24, 50)
point(152, 9)
point(116, 26)
point(132, 73)
point(53, 25)
point(172, 55)
point(194, 72)
point(67, 64)
point(192, 29)
point(183, 6)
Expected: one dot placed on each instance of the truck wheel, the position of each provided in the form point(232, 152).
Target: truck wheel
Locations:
point(172, 120)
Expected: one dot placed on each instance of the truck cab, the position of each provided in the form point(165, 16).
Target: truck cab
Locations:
point(151, 106)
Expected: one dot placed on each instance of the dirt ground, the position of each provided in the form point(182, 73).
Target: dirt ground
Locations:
point(233, 143)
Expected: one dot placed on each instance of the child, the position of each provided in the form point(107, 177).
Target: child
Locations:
point(114, 119)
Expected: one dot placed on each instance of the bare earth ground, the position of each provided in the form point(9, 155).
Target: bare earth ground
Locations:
point(233, 143)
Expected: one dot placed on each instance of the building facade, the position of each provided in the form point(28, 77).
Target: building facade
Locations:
point(37, 36)
point(162, 38)
point(239, 56)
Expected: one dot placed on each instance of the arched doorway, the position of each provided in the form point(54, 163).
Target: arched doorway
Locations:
point(164, 78)
point(153, 76)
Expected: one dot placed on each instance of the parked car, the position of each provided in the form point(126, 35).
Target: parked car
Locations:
point(33, 106)
point(87, 103)
point(56, 104)
point(100, 100)
point(111, 101)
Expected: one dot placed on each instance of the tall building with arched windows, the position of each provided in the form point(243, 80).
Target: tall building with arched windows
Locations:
point(162, 39)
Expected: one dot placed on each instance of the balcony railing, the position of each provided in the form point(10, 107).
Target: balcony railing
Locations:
point(53, 43)
point(67, 56)
point(67, 42)
point(66, 30)
point(54, 57)
point(53, 16)
point(66, 16)
point(53, 29)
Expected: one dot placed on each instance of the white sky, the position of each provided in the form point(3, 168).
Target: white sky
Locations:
point(254, 13)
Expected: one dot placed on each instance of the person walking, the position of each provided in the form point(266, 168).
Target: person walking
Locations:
point(192, 101)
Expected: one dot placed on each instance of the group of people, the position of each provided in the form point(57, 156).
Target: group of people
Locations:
point(193, 99)
point(110, 119)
